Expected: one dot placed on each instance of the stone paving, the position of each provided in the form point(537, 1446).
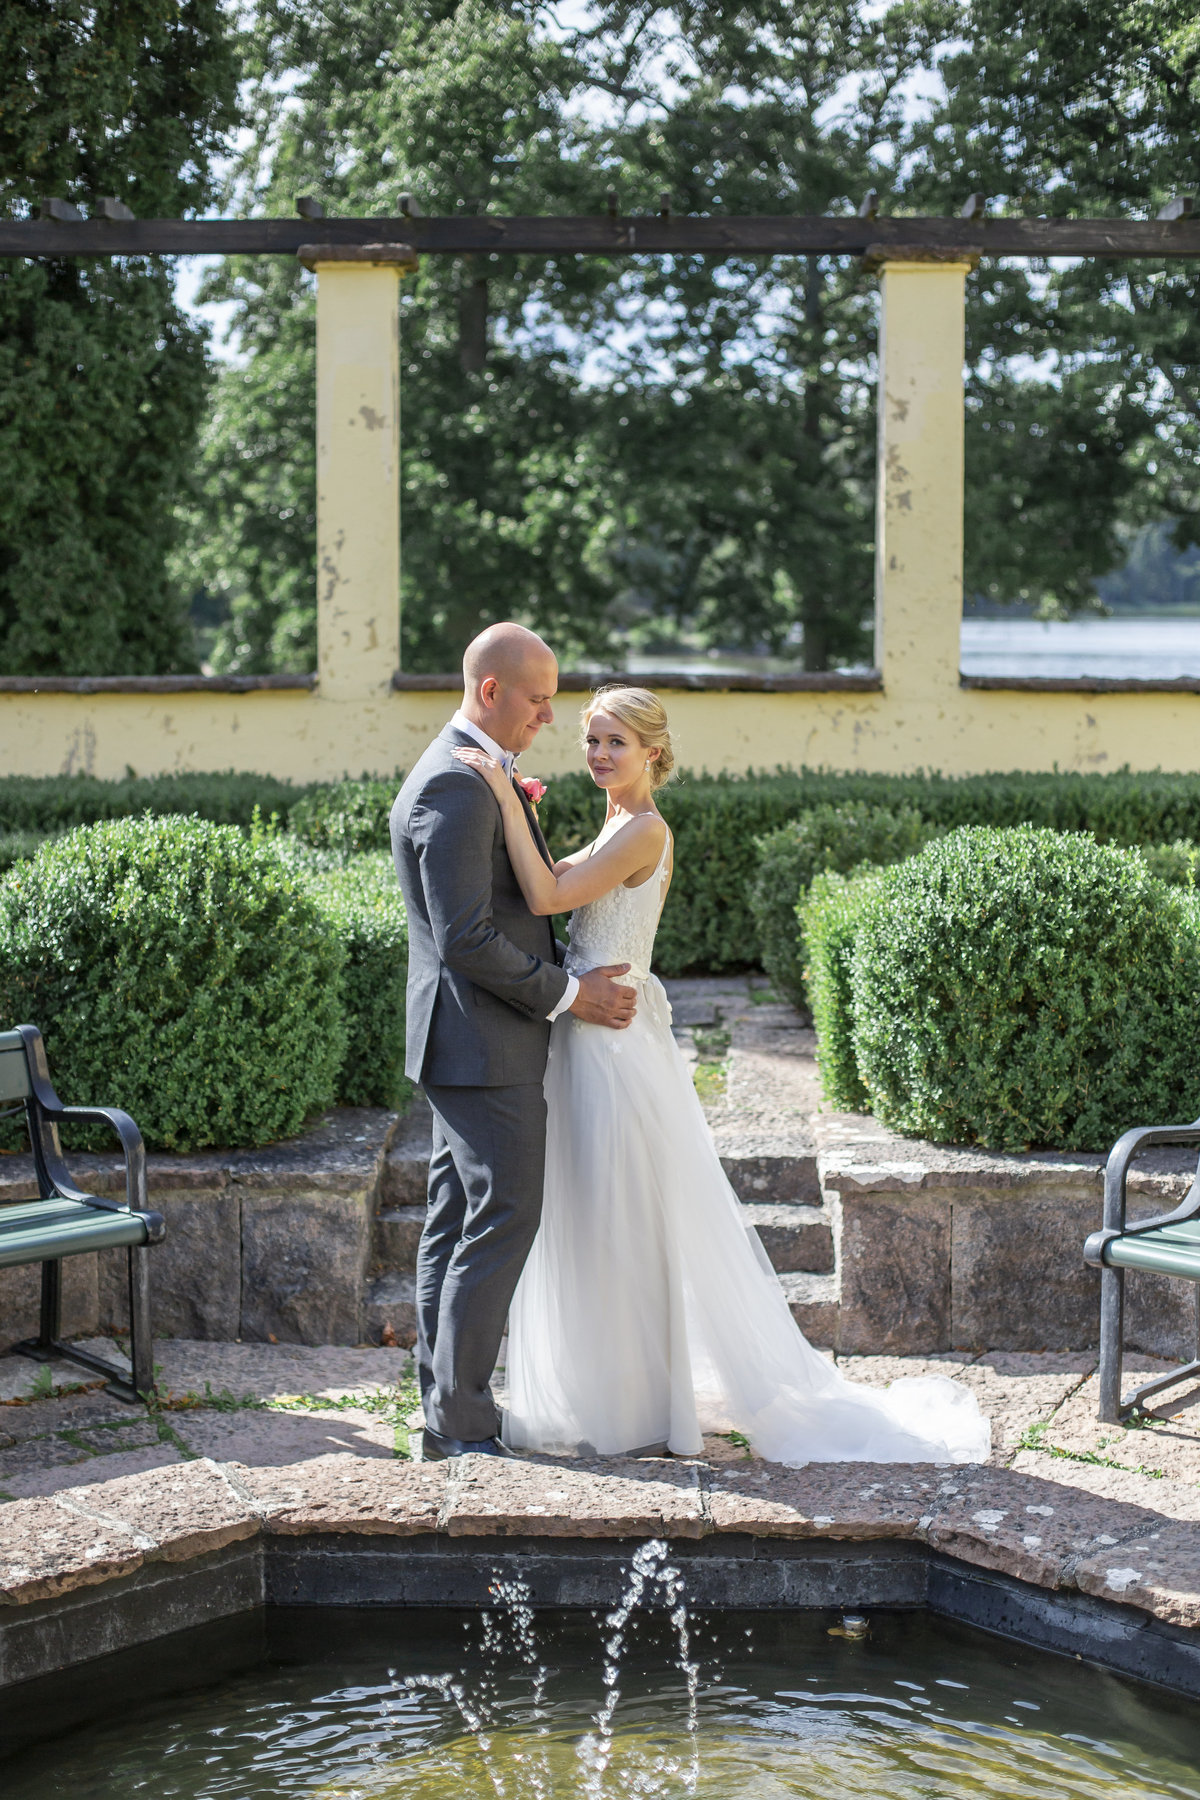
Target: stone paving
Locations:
point(263, 1437)
point(304, 1439)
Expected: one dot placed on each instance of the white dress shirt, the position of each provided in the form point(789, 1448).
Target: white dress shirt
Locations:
point(508, 761)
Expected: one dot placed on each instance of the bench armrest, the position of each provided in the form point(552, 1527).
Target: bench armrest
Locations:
point(1116, 1175)
point(133, 1148)
point(44, 1108)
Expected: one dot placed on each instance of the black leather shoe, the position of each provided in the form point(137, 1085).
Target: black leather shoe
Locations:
point(436, 1448)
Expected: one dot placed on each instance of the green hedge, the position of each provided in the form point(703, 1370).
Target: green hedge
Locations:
point(1177, 863)
point(54, 803)
point(1120, 808)
point(708, 923)
point(348, 817)
point(365, 907)
point(19, 846)
point(1023, 986)
point(830, 918)
point(839, 838)
point(181, 970)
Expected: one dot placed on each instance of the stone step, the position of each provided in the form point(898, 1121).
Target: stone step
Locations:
point(815, 1303)
point(812, 1300)
point(395, 1234)
point(788, 1178)
point(391, 1300)
point(784, 1178)
point(406, 1165)
point(796, 1238)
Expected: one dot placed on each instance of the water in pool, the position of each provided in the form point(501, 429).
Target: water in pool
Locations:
point(377, 1705)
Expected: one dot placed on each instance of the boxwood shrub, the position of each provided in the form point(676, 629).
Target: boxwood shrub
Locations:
point(180, 970)
point(45, 804)
point(830, 915)
point(1177, 863)
point(708, 923)
point(840, 838)
point(1017, 987)
point(346, 818)
point(364, 906)
point(19, 846)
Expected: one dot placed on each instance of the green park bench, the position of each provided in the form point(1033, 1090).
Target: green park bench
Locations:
point(1166, 1245)
point(64, 1221)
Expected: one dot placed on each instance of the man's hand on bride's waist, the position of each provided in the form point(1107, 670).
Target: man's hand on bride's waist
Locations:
point(601, 999)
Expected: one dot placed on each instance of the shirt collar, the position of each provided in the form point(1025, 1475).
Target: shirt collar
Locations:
point(506, 758)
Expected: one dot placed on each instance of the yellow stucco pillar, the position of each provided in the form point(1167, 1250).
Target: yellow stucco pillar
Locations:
point(919, 504)
point(358, 466)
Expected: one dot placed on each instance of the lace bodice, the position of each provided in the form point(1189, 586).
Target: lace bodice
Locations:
point(620, 925)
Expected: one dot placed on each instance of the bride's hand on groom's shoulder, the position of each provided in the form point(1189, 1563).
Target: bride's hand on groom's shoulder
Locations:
point(600, 1001)
point(488, 767)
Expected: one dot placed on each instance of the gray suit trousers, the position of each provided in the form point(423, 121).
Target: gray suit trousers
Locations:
point(485, 1205)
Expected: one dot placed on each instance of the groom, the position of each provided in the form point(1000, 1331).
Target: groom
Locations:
point(484, 983)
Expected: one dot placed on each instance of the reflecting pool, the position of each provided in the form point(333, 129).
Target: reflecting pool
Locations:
point(382, 1705)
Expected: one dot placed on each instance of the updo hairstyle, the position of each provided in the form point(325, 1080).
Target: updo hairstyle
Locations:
point(645, 716)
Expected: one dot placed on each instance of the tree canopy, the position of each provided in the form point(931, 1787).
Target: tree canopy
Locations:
point(103, 380)
point(627, 451)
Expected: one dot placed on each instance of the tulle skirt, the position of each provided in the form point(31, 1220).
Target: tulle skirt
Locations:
point(648, 1313)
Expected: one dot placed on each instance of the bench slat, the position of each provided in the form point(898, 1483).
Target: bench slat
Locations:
point(86, 1230)
point(39, 1212)
point(1173, 1250)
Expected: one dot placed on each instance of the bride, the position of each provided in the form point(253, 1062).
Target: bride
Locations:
point(648, 1312)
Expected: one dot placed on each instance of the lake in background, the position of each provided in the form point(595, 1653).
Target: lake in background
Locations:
point(1120, 648)
point(1117, 647)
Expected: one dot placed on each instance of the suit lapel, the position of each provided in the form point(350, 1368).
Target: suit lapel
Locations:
point(450, 734)
point(532, 821)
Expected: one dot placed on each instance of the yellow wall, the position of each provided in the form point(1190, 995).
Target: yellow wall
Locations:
point(354, 722)
point(305, 737)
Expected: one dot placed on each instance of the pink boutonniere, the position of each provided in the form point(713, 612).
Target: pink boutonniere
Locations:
point(533, 789)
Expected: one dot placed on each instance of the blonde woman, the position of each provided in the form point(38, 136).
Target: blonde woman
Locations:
point(648, 1312)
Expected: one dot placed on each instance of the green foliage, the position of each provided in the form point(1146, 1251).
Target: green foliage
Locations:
point(829, 919)
point(1155, 576)
point(710, 480)
point(711, 477)
point(51, 803)
point(708, 923)
point(1023, 987)
point(364, 906)
point(179, 970)
point(1177, 863)
point(1079, 111)
point(18, 846)
point(825, 837)
point(348, 817)
point(103, 379)
point(247, 553)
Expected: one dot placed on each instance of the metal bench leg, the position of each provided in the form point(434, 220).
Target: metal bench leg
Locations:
point(1112, 1343)
point(48, 1346)
point(50, 1325)
point(141, 1342)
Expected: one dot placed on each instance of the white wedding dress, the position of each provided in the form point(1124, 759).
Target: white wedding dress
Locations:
point(648, 1313)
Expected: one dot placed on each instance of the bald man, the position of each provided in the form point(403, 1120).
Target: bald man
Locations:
point(484, 984)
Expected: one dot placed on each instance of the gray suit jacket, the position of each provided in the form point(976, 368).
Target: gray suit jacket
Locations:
point(483, 974)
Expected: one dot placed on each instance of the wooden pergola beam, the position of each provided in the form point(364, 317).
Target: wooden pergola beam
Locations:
point(774, 234)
